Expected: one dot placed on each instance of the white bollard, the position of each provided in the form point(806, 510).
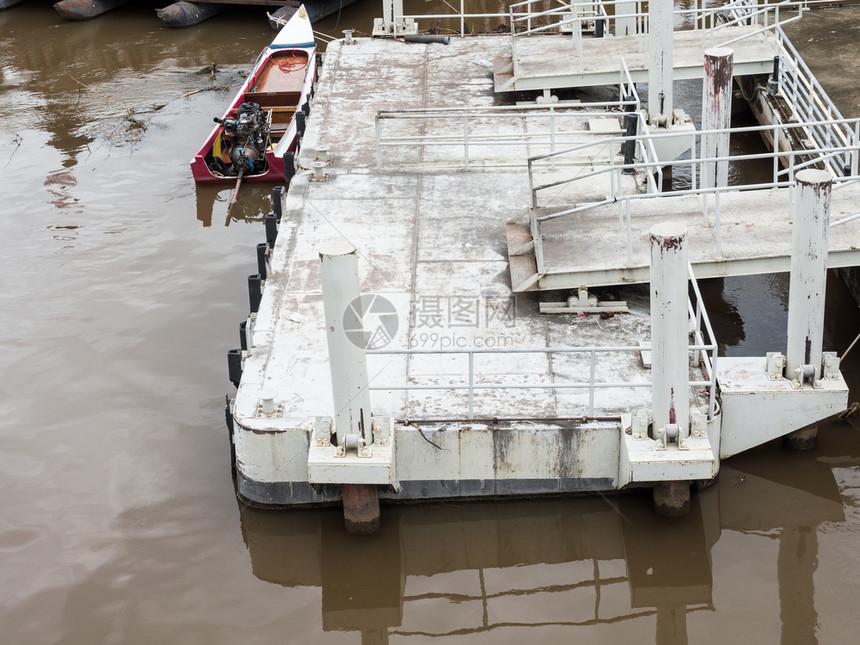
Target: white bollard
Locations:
point(670, 372)
point(811, 215)
point(660, 63)
point(716, 115)
point(342, 303)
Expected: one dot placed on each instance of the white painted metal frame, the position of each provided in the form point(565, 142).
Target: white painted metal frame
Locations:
point(649, 165)
point(461, 118)
point(471, 386)
point(704, 350)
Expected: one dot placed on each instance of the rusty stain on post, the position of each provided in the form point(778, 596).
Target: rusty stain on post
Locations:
point(716, 115)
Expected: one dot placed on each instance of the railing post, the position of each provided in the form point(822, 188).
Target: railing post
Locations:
point(693, 173)
point(462, 18)
point(591, 371)
point(532, 183)
point(854, 152)
point(466, 140)
point(471, 385)
point(776, 153)
point(716, 115)
point(811, 214)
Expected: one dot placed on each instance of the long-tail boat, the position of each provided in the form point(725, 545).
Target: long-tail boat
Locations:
point(249, 142)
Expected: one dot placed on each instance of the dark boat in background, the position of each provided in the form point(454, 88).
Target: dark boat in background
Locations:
point(316, 9)
point(185, 14)
point(8, 3)
point(85, 9)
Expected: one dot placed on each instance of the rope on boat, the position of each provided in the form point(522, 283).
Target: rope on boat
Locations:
point(292, 63)
point(845, 353)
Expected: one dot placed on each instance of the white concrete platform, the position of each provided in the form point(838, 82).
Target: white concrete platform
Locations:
point(553, 61)
point(432, 241)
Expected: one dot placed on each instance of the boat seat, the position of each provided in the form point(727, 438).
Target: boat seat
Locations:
point(273, 99)
point(281, 115)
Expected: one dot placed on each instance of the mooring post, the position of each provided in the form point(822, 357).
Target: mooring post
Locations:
point(811, 215)
point(391, 13)
point(716, 115)
point(341, 289)
point(808, 281)
point(660, 63)
point(670, 372)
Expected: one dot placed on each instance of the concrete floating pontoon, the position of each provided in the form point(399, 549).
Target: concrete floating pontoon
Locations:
point(409, 164)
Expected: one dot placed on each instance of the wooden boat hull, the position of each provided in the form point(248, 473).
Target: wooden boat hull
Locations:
point(185, 14)
point(85, 9)
point(281, 84)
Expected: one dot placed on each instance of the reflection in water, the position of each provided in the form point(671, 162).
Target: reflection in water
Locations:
point(578, 567)
point(68, 72)
point(749, 314)
point(117, 524)
point(255, 201)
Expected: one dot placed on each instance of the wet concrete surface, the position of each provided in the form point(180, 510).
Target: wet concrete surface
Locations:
point(122, 289)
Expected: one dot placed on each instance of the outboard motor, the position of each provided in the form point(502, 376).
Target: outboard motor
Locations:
point(248, 137)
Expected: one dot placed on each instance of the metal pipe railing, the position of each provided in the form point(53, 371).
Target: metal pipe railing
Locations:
point(834, 156)
point(471, 386)
point(465, 136)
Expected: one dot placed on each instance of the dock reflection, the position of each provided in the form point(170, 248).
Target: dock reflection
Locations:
point(255, 201)
point(590, 566)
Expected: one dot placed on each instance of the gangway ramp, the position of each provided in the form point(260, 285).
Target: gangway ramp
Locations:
point(596, 247)
point(547, 62)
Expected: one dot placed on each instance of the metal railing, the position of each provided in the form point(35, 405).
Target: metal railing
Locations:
point(784, 165)
point(809, 101)
point(631, 17)
point(460, 125)
point(468, 128)
point(704, 349)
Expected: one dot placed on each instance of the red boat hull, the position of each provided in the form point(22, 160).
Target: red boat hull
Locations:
point(202, 174)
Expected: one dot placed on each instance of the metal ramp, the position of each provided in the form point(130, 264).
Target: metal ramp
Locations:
point(571, 240)
point(591, 247)
point(545, 62)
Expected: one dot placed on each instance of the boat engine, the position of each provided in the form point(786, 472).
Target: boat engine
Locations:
point(247, 136)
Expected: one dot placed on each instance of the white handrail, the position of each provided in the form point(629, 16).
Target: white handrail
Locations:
point(468, 381)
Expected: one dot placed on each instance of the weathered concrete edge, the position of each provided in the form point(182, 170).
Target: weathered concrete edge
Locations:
point(281, 494)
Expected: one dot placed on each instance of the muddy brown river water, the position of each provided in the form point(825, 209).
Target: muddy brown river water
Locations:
point(122, 287)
